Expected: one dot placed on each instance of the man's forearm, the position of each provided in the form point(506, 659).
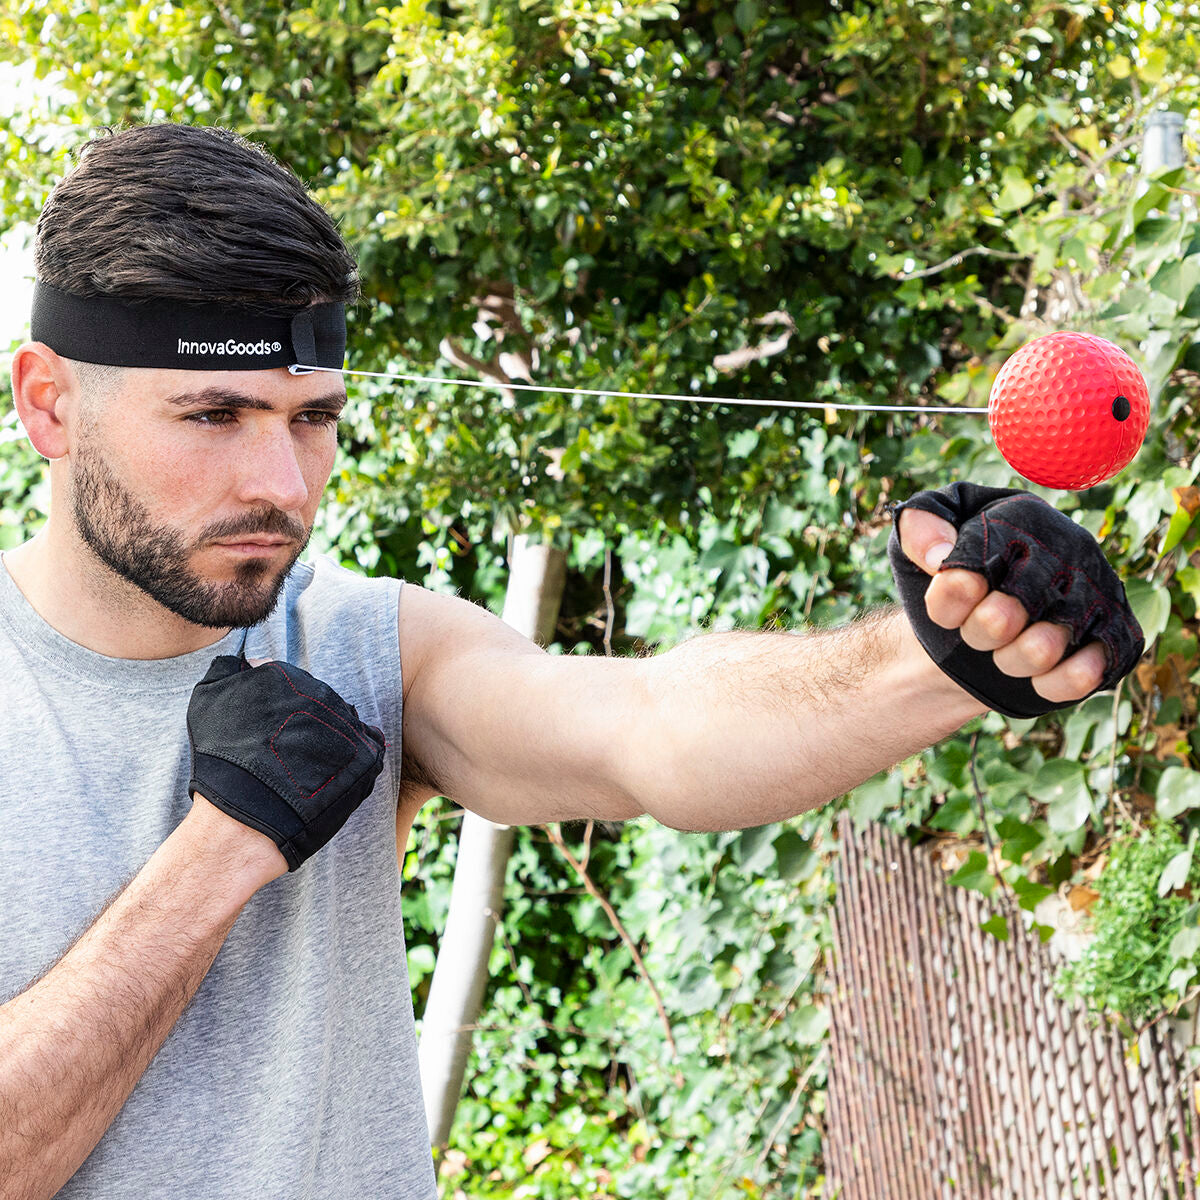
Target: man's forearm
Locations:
point(754, 727)
point(74, 1044)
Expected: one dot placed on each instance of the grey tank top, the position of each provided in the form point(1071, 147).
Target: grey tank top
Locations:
point(293, 1072)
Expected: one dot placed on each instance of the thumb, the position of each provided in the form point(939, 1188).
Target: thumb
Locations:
point(926, 539)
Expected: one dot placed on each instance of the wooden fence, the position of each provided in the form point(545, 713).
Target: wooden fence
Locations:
point(956, 1073)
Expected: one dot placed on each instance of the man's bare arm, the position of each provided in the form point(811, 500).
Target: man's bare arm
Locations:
point(756, 727)
point(725, 731)
point(74, 1044)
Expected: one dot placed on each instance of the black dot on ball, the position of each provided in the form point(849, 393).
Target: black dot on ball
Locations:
point(1121, 408)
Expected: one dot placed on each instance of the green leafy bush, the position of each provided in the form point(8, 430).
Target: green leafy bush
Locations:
point(1147, 933)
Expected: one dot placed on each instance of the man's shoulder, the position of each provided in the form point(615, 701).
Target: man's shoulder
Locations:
point(321, 581)
point(327, 610)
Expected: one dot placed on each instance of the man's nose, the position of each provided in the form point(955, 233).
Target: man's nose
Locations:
point(271, 471)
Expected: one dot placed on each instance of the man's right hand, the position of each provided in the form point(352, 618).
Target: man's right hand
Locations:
point(281, 752)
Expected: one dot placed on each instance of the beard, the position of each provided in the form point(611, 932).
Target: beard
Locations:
point(119, 530)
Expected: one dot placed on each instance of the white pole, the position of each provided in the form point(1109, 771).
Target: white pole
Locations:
point(537, 574)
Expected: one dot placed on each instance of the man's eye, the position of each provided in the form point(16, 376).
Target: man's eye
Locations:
point(320, 416)
point(217, 416)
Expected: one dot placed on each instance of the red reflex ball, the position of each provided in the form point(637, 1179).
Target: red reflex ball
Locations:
point(1069, 410)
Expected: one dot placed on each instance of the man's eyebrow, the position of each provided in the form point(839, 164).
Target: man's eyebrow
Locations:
point(218, 397)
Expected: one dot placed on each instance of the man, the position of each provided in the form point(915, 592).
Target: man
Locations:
point(202, 978)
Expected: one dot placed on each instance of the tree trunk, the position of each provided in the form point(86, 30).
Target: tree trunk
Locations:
point(536, 577)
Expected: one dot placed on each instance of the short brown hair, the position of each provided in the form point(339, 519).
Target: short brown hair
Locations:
point(194, 214)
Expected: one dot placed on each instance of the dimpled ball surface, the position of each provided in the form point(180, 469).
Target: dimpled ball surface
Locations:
point(1055, 410)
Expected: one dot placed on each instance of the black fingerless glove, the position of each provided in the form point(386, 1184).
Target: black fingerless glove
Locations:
point(1025, 548)
point(281, 752)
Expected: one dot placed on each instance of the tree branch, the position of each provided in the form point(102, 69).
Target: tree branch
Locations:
point(735, 360)
point(555, 835)
point(452, 351)
point(955, 259)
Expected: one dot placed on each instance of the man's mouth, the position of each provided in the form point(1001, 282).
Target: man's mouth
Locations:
point(254, 545)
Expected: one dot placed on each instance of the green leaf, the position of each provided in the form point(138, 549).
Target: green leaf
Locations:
point(212, 82)
point(872, 798)
point(421, 962)
point(1021, 839)
point(974, 874)
point(698, 990)
point(746, 15)
point(754, 851)
point(726, 974)
point(810, 1024)
point(1155, 64)
point(1178, 279)
point(957, 815)
point(1175, 873)
point(1015, 190)
point(997, 926)
point(1178, 980)
point(1087, 138)
point(1189, 579)
point(1021, 120)
point(1151, 606)
point(1079, 723)
point(1029, 894)
point(1185, 943)
point(1062, 786)
point(795, 858)
point(1178, 790)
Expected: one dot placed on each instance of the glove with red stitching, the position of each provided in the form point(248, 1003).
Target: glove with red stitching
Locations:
point(280, 751)
point(1025, 548)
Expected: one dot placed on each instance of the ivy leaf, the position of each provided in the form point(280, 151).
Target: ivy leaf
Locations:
point(1178, 790)
point(1185, 943)
point(1106, 733)
point(974, 874)
point(1029, 894)
point(1175, 873)
point(754, 850)
point(1004, 783)
point(810, 1024)
point(1021, 839)
point(1178, 278)
point(997, 926)
point(1151, 606)
point(1062, 786)
point(1015, 190)
point(795, 858)
point(870, 799)
point(699, 991)
point(1080, 722)
point(957, 815)
point(1178, 980)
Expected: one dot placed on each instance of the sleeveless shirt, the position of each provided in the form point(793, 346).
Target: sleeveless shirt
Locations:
point(293, 1071)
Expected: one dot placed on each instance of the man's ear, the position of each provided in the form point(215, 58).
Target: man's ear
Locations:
point(44, 389)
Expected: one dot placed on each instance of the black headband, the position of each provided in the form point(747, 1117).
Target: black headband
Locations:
point(162, 333)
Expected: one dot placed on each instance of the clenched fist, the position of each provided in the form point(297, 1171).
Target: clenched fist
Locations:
point(1012, 599)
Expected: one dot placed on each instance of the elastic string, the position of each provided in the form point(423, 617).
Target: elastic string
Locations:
point(571, 391)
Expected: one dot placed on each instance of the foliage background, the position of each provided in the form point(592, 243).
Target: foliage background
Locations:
point(850, 202)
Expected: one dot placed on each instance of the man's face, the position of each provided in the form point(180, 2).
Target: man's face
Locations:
point(201, 487)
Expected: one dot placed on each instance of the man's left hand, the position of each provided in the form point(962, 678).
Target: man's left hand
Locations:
point(991, 620)
point(1011, 598)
